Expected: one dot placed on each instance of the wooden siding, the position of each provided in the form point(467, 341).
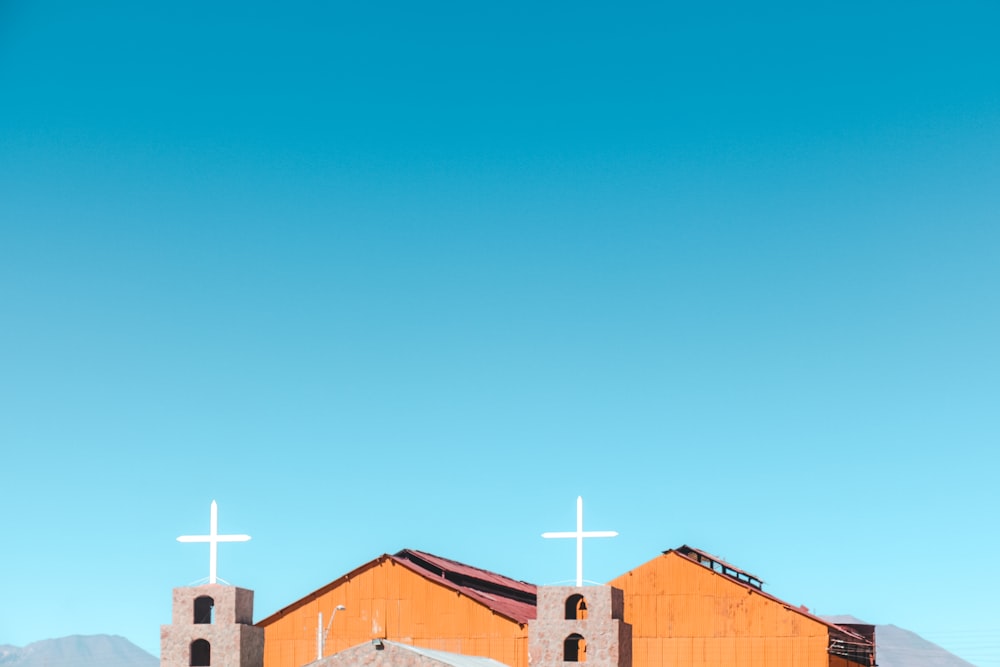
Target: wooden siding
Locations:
point(390, 601)
point(683, 613)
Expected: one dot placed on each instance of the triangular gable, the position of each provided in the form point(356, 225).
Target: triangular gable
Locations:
point(852, 640)
point(507, 597)
point(319, 592)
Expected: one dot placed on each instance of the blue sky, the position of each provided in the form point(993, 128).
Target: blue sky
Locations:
point(386, 276)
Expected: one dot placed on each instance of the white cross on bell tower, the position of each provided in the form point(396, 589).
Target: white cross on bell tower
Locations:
point(212, 623)
point(579, 534)
point(213, 538)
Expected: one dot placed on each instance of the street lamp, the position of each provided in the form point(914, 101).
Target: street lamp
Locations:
point(321, 634)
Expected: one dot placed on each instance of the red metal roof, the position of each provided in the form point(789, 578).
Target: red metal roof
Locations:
point(469, 571)
point(507, 597)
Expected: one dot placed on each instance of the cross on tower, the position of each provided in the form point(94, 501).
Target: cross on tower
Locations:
point(579, 534)
point(213, 538)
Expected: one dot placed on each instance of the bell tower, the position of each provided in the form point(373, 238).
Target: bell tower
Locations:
point(580, 624)
point(212, 624)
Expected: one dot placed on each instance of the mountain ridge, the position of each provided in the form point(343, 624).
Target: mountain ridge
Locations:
point(898, 647)
point(78, 651)
point(894, 646)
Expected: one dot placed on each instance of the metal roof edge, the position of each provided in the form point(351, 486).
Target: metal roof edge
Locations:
point(445, 657)
point(718, 560)
point(787, 605)
point(320, 591)
point(488, 578)
point(470, 593)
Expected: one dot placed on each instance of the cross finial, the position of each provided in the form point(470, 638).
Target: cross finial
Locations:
point(579, 534)
point(213, 538)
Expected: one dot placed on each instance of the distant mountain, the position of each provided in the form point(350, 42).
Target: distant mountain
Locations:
point(896, 647)
point(78, 651)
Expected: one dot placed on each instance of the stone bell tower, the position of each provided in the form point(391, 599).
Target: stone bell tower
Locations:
point(212, 624)
point(580, 624)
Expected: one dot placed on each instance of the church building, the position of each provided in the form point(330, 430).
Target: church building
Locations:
point(684, 607)
point(414, 609)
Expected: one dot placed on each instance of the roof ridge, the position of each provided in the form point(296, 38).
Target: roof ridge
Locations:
point(799, 609)
point(465, 568)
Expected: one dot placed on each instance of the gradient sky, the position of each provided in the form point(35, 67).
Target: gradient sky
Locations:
point(379, 276)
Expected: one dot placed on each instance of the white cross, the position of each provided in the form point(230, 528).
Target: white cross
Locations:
point(213, 538)
point(579, 534)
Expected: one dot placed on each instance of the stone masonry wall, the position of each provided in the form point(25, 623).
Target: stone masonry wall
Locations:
point(234, 641)
point(232, 604)
point(608, 638)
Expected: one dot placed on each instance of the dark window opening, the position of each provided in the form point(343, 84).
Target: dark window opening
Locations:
point(204, 610)
point(575, 649)
point(576, 608)
point(201, 653)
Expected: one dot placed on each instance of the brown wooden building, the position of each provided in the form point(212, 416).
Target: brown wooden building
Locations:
point(685, 608)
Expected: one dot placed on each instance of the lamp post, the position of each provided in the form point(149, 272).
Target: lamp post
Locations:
point(321, 634)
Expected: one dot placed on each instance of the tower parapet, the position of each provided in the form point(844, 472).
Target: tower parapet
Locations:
point(212, 626)
point(580, 624)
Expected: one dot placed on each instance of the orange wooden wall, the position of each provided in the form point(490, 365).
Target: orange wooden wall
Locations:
point(390, 601)
point(682, 613)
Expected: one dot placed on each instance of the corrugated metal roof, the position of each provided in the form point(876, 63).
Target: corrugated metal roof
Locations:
point(385, 652)
point(444, 564)
point(508, 597)
point(444, 657)
point(728, 569)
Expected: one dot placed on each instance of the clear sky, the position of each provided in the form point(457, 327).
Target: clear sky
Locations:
point(415, 275)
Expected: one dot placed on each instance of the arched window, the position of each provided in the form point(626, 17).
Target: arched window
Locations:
point(576, 608)
point(575, 649)
point(204, 609)
point(201, 653)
